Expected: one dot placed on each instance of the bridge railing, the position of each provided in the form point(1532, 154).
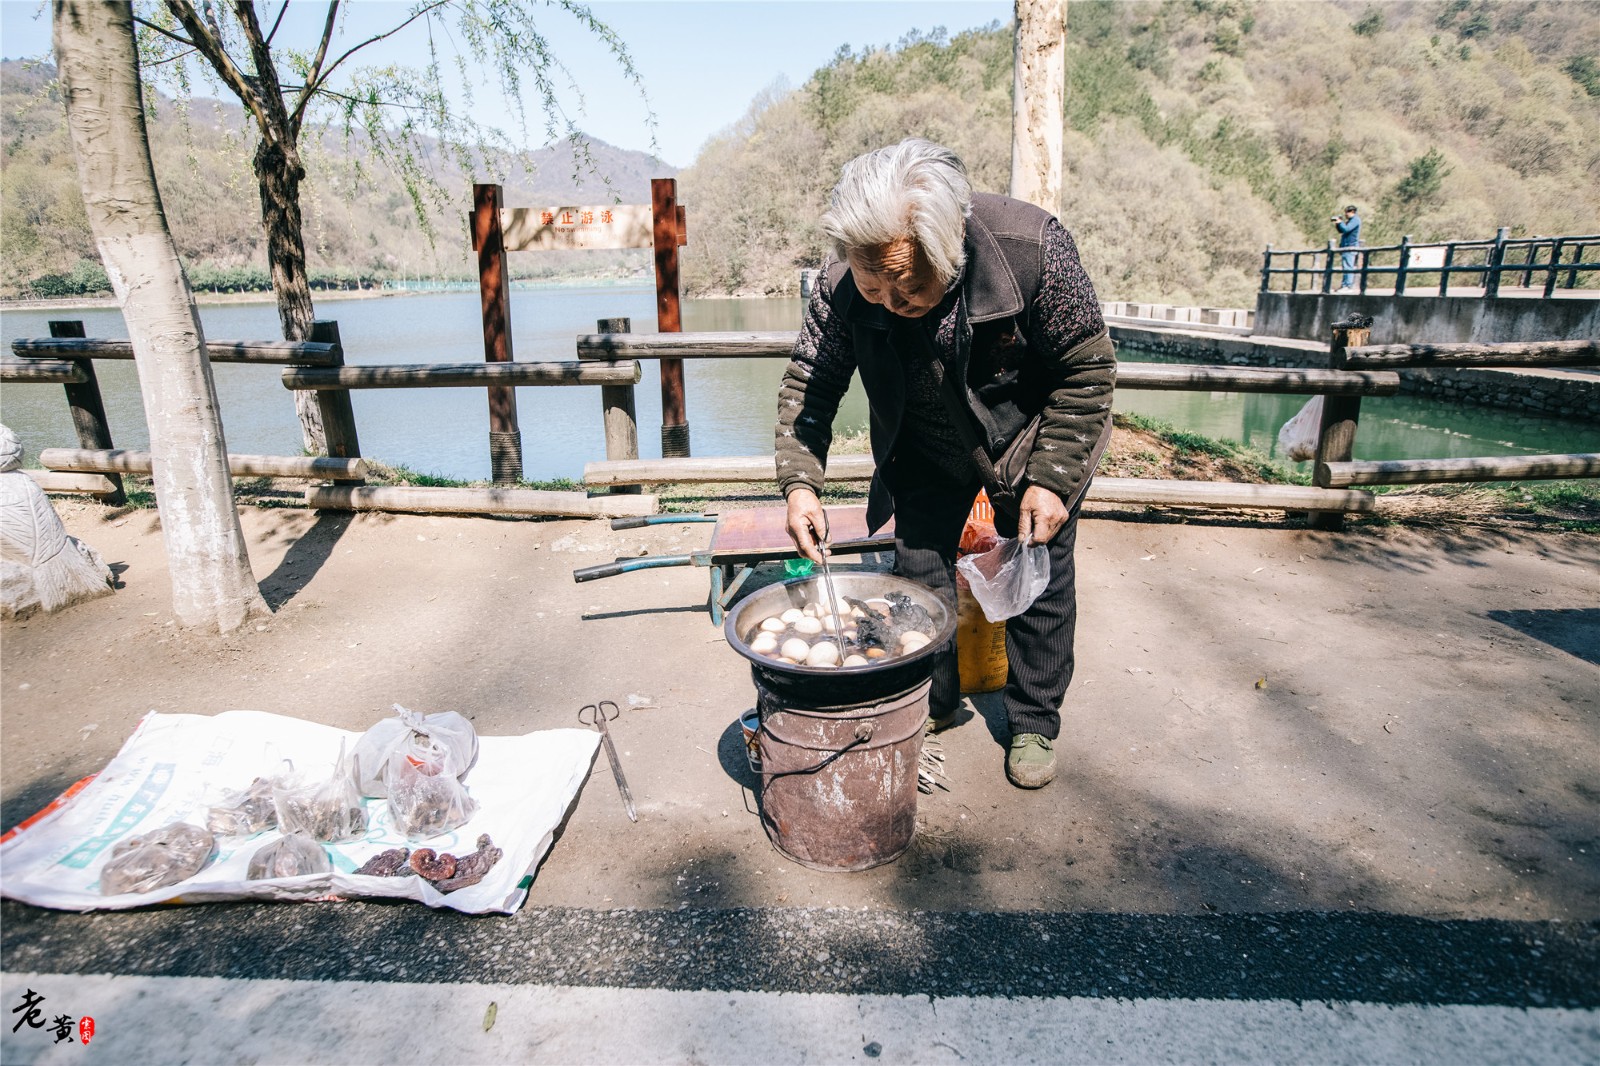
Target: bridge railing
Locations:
point(1474, 268)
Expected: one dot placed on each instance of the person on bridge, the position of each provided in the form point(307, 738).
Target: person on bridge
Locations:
point(968, 316)
point(1349, 229)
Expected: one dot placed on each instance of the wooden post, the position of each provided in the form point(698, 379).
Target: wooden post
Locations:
point(1337, 434)
point(1327, 268)
point(338, 416)
point(1445, 268)
point(1497, 255)
point(89, 409)
point(668, 231)
point(1405, 261)
point(1266, 270)
point(494, 286)
point(618, 410)
point(1555, 263)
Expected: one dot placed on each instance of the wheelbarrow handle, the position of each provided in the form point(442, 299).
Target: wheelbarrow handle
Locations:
point(623, 566)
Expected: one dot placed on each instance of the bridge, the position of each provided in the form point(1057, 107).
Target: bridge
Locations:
point(1486, 291)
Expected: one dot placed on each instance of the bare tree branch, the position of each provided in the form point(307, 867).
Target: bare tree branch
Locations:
point(266, 76)
point(163, 31)
point(172, 58)
point(313, 77)
point(282, 11)
point(317, 84)
point(368, 102)
point(210, 46)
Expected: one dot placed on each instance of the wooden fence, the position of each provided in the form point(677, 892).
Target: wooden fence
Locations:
point(1549, 263)
point(610, 360)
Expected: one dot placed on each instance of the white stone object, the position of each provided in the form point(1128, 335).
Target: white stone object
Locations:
point(41, 567)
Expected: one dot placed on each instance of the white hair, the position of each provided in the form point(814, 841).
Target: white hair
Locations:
point(914, 189)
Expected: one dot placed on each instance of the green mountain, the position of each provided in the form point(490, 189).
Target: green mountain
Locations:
point(360, 222)
point(1197, 132)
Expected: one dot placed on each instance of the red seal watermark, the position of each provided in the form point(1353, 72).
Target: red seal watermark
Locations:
point(85, 1029)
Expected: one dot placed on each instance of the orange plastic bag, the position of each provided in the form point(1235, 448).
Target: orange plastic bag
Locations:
point(979, 535)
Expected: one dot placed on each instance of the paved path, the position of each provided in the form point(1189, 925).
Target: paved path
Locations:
point(1324, 798)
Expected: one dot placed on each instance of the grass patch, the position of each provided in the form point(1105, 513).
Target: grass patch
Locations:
point(379, 473)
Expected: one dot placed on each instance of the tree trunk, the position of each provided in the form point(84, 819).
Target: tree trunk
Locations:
point(1038, 91)
point(279, 173)
point(212, 585)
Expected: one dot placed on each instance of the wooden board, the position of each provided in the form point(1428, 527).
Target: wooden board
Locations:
point(756, 534)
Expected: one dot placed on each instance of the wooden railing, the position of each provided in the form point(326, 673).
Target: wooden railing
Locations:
point(316, 366)
point(610, 360)
point(1330, 472)
point(1549, 263)
point(623, 466)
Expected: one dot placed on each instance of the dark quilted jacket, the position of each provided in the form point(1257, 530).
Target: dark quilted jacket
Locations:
point(1025, 334)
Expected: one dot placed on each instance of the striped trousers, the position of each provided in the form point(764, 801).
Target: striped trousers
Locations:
point(930, 511)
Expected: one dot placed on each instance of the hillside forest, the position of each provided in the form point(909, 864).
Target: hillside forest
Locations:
point(1197, 132)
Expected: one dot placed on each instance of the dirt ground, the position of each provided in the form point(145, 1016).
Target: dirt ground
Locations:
point(1263, 718)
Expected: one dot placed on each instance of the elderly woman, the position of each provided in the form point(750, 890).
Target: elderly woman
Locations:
point(977, 336)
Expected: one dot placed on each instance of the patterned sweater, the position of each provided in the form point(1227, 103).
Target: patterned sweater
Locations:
point(1024, 333)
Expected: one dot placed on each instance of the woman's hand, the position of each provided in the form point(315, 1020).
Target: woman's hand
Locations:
point(806, 523)
point(1041, 518)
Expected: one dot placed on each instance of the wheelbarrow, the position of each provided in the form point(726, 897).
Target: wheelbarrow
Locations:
point(740, 541)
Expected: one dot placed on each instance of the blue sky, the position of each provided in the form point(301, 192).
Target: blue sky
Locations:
point(703, 62)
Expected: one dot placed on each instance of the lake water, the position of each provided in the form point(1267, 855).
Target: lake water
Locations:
point(731, 402)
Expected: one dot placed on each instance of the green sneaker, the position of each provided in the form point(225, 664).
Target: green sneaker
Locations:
point(1031, 762)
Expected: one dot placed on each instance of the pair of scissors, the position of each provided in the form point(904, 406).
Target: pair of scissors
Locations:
point(597, 715)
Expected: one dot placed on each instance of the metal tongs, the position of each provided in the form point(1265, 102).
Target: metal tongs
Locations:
point(596, 714)
point(827, 582)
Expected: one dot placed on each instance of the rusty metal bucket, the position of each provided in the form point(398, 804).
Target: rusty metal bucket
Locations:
point(839, 786)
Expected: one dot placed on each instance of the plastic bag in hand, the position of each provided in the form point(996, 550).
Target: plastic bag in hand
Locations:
point(424, 801)
point(289, 856)
point(244, 813)
point(1008, 578)
point(154, 860)
point(445, 739)
point(330, 811)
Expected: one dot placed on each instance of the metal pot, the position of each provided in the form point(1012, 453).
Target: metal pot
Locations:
point(822, 687)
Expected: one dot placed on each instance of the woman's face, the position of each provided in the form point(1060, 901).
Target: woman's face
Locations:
point(897, 276)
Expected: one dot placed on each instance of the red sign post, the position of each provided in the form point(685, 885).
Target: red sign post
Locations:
point(494, 288)
point(497, 229)
point(668, 231)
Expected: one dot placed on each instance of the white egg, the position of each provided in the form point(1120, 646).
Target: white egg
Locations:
point(913, 641)
point(792, 615)
point(808, 626)
point(796, 649)
point(825, 653)
point(828, 624)
point(773, 625)
point(812, 609)
point(851, 635)
point(764, 644)
point(855, 660)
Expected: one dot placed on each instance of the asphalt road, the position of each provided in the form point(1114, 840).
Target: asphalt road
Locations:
point(362, 982)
